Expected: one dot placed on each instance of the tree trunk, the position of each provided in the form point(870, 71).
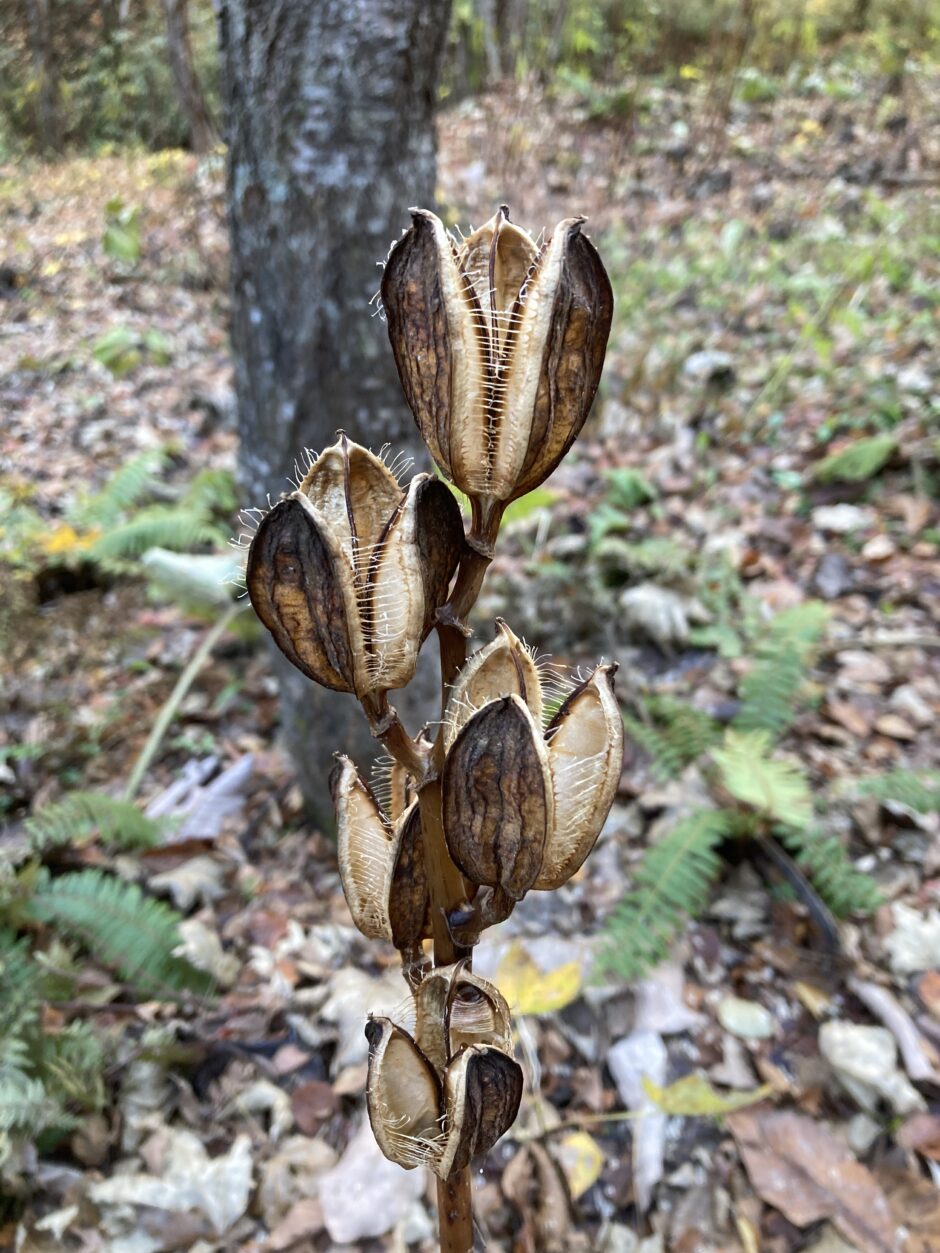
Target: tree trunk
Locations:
point(49, 120)
point(330, 130)
point(192, 101)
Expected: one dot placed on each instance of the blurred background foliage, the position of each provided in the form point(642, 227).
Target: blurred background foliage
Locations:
point(98, 74)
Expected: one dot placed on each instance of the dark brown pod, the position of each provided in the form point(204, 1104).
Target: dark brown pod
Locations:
point(296, 583)
point(482, 1093)
point(497, 797)
point(440, 538)
point(408, 898)
point(573, 358)
point(413, 297)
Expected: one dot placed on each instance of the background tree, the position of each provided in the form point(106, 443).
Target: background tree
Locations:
point(192, 100)
point(43, 59)
point(329, 114)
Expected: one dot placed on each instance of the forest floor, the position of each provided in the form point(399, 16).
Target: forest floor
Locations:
point(764, 451)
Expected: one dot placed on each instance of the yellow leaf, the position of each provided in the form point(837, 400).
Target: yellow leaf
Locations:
point(582, 1160)
point(813, 999)
point(65, 539)
point(529, 990)
point(694, 1097)
point(690, 71)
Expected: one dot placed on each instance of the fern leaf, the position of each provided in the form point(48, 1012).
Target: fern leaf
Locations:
point(673, 880)
point(776, 788)
point(673, 732)
point(212, 491)
point(119, 823)
point(25, 1105)
point(19, 987)
point(71, 1064)
point(160, 526)
point(917, 790)
point(126, 487)
point(134, 933)
point(770, 690)
point(825, 862)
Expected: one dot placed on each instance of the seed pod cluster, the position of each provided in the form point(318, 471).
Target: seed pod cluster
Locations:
point(499, 344)
point(448, 1092)
point(522, 805)
point(347, 571)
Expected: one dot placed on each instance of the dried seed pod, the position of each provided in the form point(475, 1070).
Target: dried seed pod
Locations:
point(499, 345)
point(477, 1014)
point(456, 1008)
point(366, 850)
point(497, 797)
point(482, 1092)
point(404, 1098)
point(504, 667)
point(585, 752)
point(409, 902)
point(348, 571)
point(381, 864)
point(302, 591)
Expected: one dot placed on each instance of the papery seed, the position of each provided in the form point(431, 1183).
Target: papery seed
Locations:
point(408, 900)
point(366, 850)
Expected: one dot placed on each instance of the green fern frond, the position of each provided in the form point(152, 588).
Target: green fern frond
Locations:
point(26, 1106)
point(673, 880)
point(672, 732)
point(126, 487)
point(770, 690)
point(119, 823)
point(211, 492)
point(776, 788)
point(122, 926)
point(71, 1063)
point(19, 986)
point(159, 526)
point(917, 790)
point(826, 864)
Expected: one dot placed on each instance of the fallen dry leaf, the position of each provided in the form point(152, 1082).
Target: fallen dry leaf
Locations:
point(798, 1166)
point(915, 1205)
point(921, 1133)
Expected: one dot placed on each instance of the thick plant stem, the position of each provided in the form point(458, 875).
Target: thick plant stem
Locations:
point(446, 883)
point(455, 1213)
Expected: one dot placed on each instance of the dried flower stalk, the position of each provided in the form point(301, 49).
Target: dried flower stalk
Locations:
point(499, 343)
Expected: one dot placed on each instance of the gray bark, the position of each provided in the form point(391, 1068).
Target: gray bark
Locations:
point(329, 109)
